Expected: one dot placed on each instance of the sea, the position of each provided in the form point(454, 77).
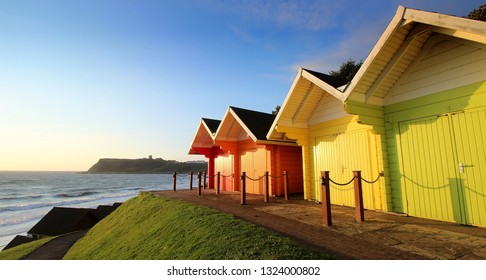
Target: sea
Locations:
point(25, 197)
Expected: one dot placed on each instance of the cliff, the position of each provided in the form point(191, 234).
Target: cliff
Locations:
point(145, 165)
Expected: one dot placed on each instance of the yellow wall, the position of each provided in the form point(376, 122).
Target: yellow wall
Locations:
point(342, 146)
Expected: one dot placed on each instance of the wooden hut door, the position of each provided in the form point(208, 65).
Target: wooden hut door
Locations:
point(470, 142)
point(342, 154)
point(254, 163)
point(442, 159)
point(428, 169)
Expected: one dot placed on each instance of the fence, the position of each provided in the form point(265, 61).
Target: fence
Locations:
point(358, 195)
point(191, 179)
point(267, 177)
point(243, 178)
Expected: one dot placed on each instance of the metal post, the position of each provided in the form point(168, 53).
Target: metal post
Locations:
point(190, 180)
point(286, 185)
point(199, 183)
point(218, 182)
point(205, 174)
point(265, 199)
point(174, 181)
point(358, 196)
point(243, 188)
point(326, 199)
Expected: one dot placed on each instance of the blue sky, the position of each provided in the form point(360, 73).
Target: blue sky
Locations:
point(83, 80)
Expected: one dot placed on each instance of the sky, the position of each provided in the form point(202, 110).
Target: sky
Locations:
point(84, 80)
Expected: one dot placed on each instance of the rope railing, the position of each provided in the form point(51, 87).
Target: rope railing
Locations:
point(254, 180)
point(267, 177)
point(340, 184)
point(381, 174)
point(358, 194)
point(352, 179)
point(202, 177)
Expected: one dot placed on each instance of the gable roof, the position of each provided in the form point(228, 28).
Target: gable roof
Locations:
point(331, 80)
point(211, 124)
point(204, 137)
point(61, 220)
point(308, 91)
point(256, 123)
point(239, 124)
point(400, 44)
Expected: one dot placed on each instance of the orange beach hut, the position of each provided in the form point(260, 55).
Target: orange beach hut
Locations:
point(242, 134)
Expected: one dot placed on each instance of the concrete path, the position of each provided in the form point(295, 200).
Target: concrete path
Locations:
point(56, 248)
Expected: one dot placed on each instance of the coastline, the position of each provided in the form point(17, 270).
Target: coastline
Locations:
point(27, 196)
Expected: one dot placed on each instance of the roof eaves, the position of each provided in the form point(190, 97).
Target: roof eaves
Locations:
point(284, 105)
point(211, 125)
point(394, 24)
point(225, 117)
point(446, 21)
point(203, 123)
point(314, 78)
point(469, 29)
point(242, 123)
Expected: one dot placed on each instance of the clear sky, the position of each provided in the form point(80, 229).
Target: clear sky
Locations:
point(83, 80)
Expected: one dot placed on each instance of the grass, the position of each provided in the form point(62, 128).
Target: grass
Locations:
point(151, 227)
point(18, 252)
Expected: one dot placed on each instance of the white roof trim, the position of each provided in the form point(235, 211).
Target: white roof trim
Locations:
point(323, 85)
point(392, 26)
point(284, 105)
point(238, 120)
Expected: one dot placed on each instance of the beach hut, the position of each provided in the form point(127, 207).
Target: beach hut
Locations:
point(242, 134)
point(423, 91)
point(331, 139)
point(203, 144)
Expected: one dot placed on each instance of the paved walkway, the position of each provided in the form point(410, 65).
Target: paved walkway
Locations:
point(380, 236)
point(56, 248)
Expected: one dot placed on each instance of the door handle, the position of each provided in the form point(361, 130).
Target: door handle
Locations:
point(462, 166)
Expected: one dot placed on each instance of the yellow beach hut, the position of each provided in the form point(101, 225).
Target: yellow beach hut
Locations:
point(423, 90)
point(242, 134)
point(313, 115)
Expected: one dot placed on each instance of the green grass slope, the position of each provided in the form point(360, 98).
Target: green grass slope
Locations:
point(18, 252)
point(152, 227)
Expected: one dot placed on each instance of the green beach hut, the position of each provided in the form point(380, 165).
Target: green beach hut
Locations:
point(423, 90)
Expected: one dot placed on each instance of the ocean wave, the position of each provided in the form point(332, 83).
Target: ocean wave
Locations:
point(75, 194)
point(6, 222)
point(30, 206)
point(16, 181)
point(19, 197)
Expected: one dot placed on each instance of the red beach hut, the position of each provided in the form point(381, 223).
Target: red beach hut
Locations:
point(242, 135)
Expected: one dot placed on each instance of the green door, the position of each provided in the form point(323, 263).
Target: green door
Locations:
point(470, 137)
point(428, 169)
point(442, 157)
